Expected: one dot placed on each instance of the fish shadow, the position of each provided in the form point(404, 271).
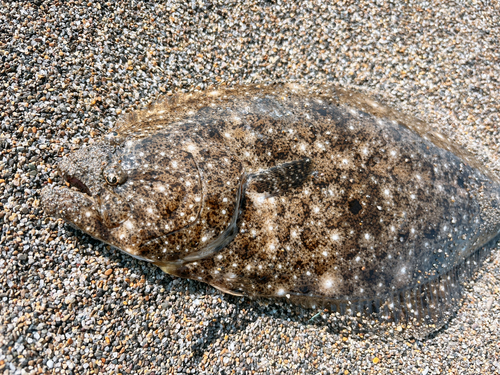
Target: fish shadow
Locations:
point(245, 312)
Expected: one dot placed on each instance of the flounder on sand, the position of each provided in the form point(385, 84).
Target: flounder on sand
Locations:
point(315, 194)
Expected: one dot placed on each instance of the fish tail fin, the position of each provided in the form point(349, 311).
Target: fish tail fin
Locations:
point(428, 307)
point(416, 312)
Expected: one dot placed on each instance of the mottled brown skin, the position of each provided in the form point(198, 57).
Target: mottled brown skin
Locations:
point(317, 194)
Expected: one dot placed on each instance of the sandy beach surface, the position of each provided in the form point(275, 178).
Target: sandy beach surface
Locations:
point(69, 69)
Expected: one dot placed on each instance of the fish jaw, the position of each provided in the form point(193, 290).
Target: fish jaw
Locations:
point(76, 208)
point(80, 211)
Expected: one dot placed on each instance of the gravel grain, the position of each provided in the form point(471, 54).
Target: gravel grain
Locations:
point(70, 305)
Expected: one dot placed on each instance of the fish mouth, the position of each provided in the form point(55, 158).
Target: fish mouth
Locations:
point(77, 183)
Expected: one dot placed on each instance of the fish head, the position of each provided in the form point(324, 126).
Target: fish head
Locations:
point(130, 194)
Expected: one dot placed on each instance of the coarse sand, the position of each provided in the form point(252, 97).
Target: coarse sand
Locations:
point(70, 305)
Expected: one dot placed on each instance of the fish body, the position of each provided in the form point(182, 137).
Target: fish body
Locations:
point(316, 194)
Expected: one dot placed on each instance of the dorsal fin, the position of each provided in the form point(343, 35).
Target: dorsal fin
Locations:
point(168, 111)
point(365, 103)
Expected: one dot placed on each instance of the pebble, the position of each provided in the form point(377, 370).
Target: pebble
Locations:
point(72, 305)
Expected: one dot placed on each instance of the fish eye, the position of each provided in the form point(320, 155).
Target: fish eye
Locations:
point(114, 175)
point(112, 180)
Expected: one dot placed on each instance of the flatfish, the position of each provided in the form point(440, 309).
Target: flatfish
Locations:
point(314, 194)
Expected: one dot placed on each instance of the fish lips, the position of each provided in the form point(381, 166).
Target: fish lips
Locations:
point(78, 210)
point(69, 204)
point(77, 183)
point(65, 203)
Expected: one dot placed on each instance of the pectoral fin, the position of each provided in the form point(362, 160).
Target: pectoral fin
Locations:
point(281, 178)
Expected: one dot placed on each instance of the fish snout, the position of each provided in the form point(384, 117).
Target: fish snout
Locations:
point(73, 206)
point(49, 204)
